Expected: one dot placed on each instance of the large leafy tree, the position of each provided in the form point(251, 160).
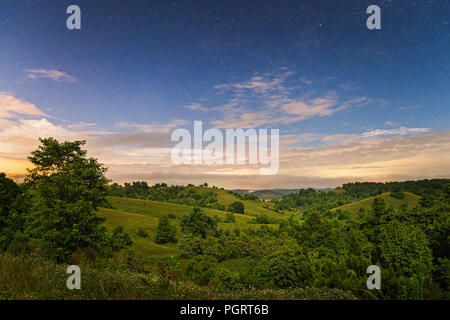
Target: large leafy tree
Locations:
point(8, 193)
point(65, 188)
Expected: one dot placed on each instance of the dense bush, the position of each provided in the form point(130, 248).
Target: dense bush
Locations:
point(142, 233)
point(236, 207)
point(198, 223)
point(165, 232)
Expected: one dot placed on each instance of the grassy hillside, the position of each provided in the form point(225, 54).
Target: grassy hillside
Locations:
point(224, 197)
point(252, 207)
point(131, 222)
point(410, 199)
point(133, 214)
point(158, 209)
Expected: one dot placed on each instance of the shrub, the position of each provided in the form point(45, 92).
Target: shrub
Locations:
point(227, 280)
point(198, 223)
point(142, 233)
point(120, 238)
point(286, 267)
point(236, 207)
point(165, 232)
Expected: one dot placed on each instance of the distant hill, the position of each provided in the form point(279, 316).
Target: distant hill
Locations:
point(312, 199)
point(410, 199)
point(267, 194)
point(426, 187)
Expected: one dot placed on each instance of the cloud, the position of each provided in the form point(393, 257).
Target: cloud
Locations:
point(55, 75)
point(350, 158)
point(88, 128)
point(81, 125)
point(399, 131)
point(142, 155)
point(18, 139)
point(158, 128)
point(196, 107)
point(396, 158)
point(261, 84)
point(12, 107)
point(274, 99)
point(305, 81)
point(340, 138)
point(291, 112)
point(141, 151)
point(293, 139)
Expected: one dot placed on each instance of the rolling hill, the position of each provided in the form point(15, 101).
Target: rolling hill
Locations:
point(224, 197)
point(267, 194)
point(135, 214)
point(410, 199)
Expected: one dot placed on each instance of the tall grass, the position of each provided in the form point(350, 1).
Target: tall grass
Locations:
point(27, 277)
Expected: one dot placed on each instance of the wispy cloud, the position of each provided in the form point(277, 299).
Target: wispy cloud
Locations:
point(261, 84)
point(196, 107)
point(287, 113)
point(55, 75)
point(12, 107)
point(160, 128)
point(81, 125)
point(399, 131)
point(274, 99)
point(340, 138)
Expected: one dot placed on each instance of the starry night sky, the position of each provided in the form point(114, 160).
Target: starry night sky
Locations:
point(144, 65)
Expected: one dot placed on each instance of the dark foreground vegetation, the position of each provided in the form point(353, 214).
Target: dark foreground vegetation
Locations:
point(298, 249)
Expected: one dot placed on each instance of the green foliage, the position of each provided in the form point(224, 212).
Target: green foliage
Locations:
point(9, 191)
point(406, 249)
point(142, 233)
point(54, 211)
point(32, 278)
point(65, 189)
point(230, 218)
point(310, 199)
point(165, 231)
point(409, 201)
point(198, 223)
point(397, 195)
point(236, 207)
point(287, 267)
point(378, 206)
point(136, 189)
point(263, 219)
point(120, 238)
point(227, 280)
point(362, 190)
point(184, 195)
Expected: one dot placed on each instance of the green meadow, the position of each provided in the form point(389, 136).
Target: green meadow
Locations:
point(410, 201)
